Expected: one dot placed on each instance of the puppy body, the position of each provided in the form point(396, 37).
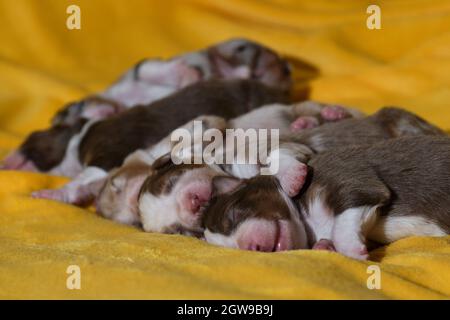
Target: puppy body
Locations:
point(153, 79)
point(385, 192)
point(233, 217)
point(105, 144)
point(188, 196)
point(148, 81)
point(296, 148)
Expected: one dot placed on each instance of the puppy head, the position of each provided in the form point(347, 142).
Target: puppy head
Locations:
point(253, 214)
point(173, 197)
point(118, 199)
point(44, 149)
point(240, 58)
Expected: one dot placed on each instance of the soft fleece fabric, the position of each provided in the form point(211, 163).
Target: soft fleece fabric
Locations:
point(43, 65)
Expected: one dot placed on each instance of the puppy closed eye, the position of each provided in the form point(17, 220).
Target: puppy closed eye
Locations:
point(114, 188)
point(241, 48)
point(170, 183)
point(232, 218)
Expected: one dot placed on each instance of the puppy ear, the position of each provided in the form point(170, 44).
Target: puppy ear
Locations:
point(162, 161)
point(288, 166)
point(98, 108)
point(225, 184)
point(293, 178)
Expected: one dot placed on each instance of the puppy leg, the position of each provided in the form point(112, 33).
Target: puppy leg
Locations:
point(350, 231)
point(302, 123)
point(83, 189)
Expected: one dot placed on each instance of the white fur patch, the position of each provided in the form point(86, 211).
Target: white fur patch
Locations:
point(274, 116)
point(319, 218)
point(70, 166)
point(350, 231)
point(392, 228)
point(131, 93)
point(222, 240)
point(157, 213)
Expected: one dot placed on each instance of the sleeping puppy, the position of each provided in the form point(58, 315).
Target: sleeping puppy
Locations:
point(148, 81)
point(184, 190)
point(103, 145)
point(118, 197)
point(185, 198)
point(385, 192)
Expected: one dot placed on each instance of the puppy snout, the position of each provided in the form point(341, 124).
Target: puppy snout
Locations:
point(260, 246)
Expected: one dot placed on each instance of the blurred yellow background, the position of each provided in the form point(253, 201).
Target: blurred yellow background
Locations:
point(43, 65)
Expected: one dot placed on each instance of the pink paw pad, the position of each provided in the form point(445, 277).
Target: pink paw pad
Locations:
point(334, 113)
point(292, 180)
point(302, 123)
point(324, 244)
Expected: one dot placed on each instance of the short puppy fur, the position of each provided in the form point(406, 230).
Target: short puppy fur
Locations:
point(233, 218)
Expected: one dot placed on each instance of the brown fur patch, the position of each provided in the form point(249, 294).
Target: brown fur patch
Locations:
point(108, 142)
point(258, 197)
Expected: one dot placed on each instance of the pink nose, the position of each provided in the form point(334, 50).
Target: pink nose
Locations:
point(262, 246)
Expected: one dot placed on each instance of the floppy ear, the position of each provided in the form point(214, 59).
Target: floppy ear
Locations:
point(293, 178)
point(225, 184)
point(162, 161)
point(98, 109)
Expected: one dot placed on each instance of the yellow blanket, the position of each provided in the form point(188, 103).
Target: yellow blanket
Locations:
point(43, 65)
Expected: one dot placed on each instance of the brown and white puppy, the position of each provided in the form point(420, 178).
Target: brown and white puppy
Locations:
point(391, 190)
point(120, 191)
point(103, 145)
point(118, 197)
point(148, 81)
point(382, 193)
point(172, 197)
point(243, 214)
point(253, 214)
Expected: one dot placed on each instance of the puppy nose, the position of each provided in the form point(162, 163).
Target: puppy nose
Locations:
point(260, 246)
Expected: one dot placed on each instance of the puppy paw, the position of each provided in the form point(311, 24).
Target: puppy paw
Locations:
point(302, 123)
point(334, 113)
point(358, 252)
point(293, 178)
point(50, 194)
